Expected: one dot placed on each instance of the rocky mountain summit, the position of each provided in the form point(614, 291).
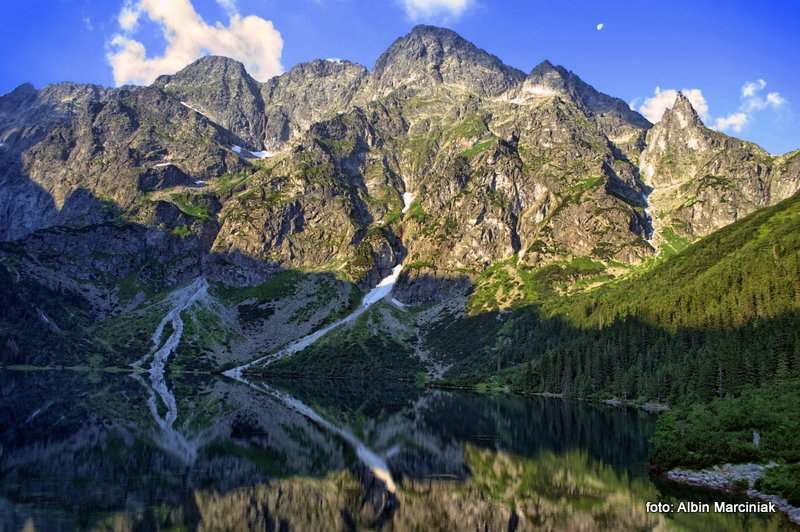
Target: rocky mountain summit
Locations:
point(702, 180)
point(441, 157)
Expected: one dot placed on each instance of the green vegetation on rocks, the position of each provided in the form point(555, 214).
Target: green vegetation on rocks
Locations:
point(279, 285)
point(758, 426)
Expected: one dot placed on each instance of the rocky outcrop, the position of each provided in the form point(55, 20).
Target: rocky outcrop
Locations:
point(735, 478)
point(702, 180)
point(76, 153)
point(614, 116)
point(306, 94)
point(265, 115)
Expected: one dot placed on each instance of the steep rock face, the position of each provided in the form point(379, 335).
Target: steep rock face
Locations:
point(703, 180)
point(624, 127)
point(537, 178)
point(221, 89)
point(434, 56)
point(306, 94)
point(314, 207)
point(77, 153)
point(547, 79)
point(265, 115)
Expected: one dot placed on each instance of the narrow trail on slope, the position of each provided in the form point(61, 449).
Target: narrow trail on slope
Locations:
point(170, 438)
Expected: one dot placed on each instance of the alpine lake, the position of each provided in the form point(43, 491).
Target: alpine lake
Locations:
point(108, 450)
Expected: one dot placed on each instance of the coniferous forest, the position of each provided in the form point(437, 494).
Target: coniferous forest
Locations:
point(722, 314)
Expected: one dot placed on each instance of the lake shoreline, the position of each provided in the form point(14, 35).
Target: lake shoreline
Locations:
point(731, 478)
point(651, 407)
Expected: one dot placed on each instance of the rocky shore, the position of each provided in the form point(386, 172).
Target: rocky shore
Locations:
point(733, 479)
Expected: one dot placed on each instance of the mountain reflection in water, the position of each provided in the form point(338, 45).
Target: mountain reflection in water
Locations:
point(86, 451)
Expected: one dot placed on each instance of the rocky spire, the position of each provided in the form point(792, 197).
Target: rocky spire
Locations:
point(681, 114)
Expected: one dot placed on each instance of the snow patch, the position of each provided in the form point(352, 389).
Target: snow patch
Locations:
point(408, 199)
point(159, 165)
point(196, 110)
point(539, 90)
point(262, 154)
point(383, 289)
point(237, 149)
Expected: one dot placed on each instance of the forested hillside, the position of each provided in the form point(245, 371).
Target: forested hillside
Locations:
point(721, 314)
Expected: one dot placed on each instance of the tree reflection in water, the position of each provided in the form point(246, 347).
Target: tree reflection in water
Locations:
point(82, 451)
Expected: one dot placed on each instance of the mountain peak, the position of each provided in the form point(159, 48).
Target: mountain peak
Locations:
point(682, 113)
point(544, 66)
point(426, 29)
point(547, 79)
point(214, 65)
point(429, 55)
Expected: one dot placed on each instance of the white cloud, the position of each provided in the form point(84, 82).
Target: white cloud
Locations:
point(775, 99)
point(435, 9)
point(600, 26)
point(735, 122)
point(229, 6)
point(87, 23)
point(252, 40)
point(752, 87)
point(654, 107)
point(752, 102)
point(128, 17)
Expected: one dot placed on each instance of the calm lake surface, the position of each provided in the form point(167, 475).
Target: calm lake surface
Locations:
point(105, 451)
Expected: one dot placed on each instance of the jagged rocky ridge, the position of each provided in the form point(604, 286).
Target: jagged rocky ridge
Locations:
point(217, 174)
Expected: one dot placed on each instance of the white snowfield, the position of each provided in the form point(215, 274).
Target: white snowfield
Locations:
point(196, 110)
point(408, 199)
point(257, 154)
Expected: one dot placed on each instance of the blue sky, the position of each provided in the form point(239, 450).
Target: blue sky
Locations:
point(739, 59)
